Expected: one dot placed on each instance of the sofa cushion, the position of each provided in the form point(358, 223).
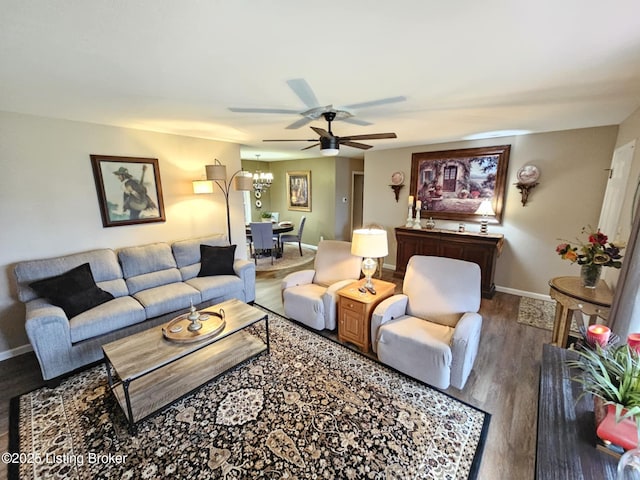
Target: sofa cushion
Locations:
point(187, 253)
point(74, 291)
point(105, 318)
point(216, 260)
point(104, 267)
point(148, 266)
point(167, 298)
point(218, 287)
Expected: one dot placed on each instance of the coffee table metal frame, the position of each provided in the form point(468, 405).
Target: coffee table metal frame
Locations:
point(153, 372)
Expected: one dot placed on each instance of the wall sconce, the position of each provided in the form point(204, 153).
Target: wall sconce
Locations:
point(397, 182)
point(218, 173)
point(485, 209)
point(527, 179)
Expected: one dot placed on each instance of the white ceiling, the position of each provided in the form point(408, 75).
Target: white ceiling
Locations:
point(466, 67)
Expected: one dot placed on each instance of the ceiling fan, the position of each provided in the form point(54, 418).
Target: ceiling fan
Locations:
point(304, 92)
point(330, 143)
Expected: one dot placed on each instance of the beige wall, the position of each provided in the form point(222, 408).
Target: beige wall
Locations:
point(254, 166)
point(49, 206)
point(572, 183)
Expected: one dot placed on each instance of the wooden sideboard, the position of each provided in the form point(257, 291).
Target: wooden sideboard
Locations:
point(472, 247)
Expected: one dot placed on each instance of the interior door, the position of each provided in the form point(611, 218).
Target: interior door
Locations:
point(357, 205)
point(450, 175)
point(615, 193)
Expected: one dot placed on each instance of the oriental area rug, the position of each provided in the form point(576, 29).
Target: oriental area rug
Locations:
point(310, 408)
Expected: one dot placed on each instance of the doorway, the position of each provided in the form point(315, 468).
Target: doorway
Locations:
point(357, 203)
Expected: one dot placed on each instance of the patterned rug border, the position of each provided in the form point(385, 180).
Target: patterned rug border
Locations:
point(14, 404)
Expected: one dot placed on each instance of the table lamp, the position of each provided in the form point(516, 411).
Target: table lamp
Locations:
point(369, 243)
point(485, 209)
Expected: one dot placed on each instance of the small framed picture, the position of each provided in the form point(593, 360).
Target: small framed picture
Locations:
point(129, 190)
point(299, 191)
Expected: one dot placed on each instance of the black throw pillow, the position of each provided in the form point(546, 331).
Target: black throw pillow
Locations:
point(216, 260)
point(74, 291)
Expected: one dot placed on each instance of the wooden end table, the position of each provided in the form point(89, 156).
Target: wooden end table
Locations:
point(570, 296)
point(355, 309)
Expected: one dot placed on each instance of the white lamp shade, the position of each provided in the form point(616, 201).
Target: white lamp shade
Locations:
point(216, 172)
point(244, 181)
point(202, 186)
point(329, 152)
point(369, 242)
point(485, 208)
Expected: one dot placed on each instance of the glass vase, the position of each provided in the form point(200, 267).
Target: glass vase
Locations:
point(590, 275)
point(629, 466)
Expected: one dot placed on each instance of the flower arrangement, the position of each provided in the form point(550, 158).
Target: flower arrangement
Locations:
point(596, 251)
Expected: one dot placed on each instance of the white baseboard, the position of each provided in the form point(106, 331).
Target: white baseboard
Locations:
point(523, 293)
point(14, 352)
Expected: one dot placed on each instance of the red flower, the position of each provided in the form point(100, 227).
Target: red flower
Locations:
point(598, 237)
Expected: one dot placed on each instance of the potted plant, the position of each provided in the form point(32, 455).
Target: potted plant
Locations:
point(612, 375)
point(266, 216)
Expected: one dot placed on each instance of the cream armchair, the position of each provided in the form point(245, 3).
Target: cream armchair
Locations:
point(309, 296)
point(432, 330)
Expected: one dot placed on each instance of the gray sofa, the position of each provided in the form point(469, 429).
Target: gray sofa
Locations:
point(150, 284)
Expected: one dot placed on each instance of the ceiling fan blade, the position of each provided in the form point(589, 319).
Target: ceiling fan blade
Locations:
point(311, 146)
point(371, 136)
point(322, 132)
point(299, 123)
point(302, 89)
point(374, 103)
point(292, 140)
point(356, 121)
point(263, 110)
point(361, 146)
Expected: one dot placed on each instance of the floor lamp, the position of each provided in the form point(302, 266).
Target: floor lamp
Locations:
point(218, 174)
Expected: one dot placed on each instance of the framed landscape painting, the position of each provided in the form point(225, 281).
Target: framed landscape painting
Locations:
point(452, 184)
point(299, 191)
point(129, 190)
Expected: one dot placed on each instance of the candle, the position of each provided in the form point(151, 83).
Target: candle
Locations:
point(411, 200)
point(418, 205)
point(633, 340)
point(598, 334)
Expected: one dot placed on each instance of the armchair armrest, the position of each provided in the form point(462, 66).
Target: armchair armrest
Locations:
point(464, 347)
point(301, 277)
point(330, 301)
point(390, 308)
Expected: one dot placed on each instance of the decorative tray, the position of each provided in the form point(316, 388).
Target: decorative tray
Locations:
point(189, 328)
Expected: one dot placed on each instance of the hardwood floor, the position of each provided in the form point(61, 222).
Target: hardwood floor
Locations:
point(504, 381)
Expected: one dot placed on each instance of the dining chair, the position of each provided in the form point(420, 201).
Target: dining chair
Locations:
point(292, 238)
point(263, 241)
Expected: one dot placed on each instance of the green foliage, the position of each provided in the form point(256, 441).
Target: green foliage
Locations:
point(613, 374)
point(266, 215)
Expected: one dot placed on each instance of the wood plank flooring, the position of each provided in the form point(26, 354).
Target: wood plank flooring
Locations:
point(504, 381)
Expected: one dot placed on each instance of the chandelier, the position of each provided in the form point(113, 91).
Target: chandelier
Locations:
point(262, 180)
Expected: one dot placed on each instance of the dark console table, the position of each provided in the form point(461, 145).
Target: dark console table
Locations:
point(472, 247)
point(566, 446)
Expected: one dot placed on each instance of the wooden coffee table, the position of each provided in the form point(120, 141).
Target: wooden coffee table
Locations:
point(151, 372)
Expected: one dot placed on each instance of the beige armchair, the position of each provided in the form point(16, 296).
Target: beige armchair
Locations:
point(309, 296)
point(432, 330)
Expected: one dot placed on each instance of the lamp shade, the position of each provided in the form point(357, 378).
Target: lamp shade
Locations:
point(485, 208)
point(329, 152)
point(244, 181)
point(202, 186)
point(369, 242)
point(216, 172)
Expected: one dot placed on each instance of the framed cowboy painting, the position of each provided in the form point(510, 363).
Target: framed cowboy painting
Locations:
point(129, 190)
